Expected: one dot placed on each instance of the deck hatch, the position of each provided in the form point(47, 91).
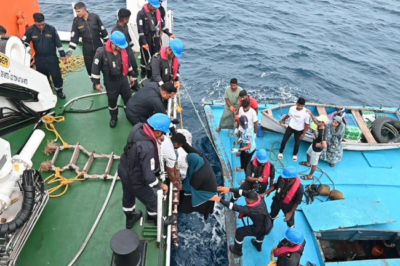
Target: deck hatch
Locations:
point(377, 160)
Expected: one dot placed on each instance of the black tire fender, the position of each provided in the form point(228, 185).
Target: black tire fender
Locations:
point(377, 127)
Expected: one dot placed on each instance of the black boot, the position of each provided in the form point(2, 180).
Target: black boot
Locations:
point(170, 220)
point(235, 251)
point(60, 94)
point(113, 122)
point(132, 218)
point(257, 245)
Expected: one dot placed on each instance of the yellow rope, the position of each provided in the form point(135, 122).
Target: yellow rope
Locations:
point(57, 177)
point(49, 120)
point(179, 108)
point(74, 64)
point(273, 262)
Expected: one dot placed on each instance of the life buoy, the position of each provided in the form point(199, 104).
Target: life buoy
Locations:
point(377, 127)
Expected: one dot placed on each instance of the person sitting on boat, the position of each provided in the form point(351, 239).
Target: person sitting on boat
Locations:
point(150, 27)
point(116, 62)
point(199, 186)
point(138, 167)
point(335, 131)
point(165, 64)
point(122, 25)
point(259, 173)
point(90, 28)
point(288, 195)
point(299, 124)
point(46, 41)
point(248, 143)
point(231, 106)
point(149, 100)
point(290, 249)
point(3, 31)
point(318, 144)
point(253, 102)
point(256, 210)
point(250, 113)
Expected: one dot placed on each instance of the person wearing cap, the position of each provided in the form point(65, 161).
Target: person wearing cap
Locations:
point(90, 28)
point(46, 41)
point(248, 143)
point(335, 131)
point(122, 25)
point(138, 167)
point(288, 195)
point(149, 100)
point(259, 173)
point(165, 64)
point(250, 113)
point(114, 60)
point(298, 125)
point(3, 31)
point(231, 106)
point(253, 102)
point(290, 249)
point(256, 210)
point(150, 27)
point(318, 144)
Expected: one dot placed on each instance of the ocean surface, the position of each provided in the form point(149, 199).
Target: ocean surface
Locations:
point(328, 51)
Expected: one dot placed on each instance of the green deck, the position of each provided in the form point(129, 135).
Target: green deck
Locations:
point(66, 221)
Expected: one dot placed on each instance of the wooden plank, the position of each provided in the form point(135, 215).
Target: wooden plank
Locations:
point(321, 110)
point(360, 121)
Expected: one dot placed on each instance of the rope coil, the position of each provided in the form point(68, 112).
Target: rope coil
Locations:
point(49, 120)
point(63, 182)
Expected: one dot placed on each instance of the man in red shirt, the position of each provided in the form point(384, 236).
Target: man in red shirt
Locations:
point(253, 102)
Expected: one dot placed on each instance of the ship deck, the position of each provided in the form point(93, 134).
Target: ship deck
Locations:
point(370, 182)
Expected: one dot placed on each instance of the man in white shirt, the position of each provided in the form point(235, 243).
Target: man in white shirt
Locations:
point(299, 124)
point(250, 113)
point(169, 157)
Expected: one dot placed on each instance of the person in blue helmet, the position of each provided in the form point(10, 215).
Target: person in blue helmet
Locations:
point(138, 167)
point(259, 173)
point(116, 61)
point(165, 64)
point(290, 249)
point(288, 195)
point(150, 27)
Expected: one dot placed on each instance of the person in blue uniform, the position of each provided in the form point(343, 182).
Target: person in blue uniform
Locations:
point(46, 42)
point(256, 210)
point(90, 28)
point(138, 167)
point(115, 61)
point(150, 27)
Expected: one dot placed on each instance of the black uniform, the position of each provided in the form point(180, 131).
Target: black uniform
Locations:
point(45, 44)
point(161, 70)
point(282, 189)
point(256, 171)
point(137, 168)
point(144, 103)
point(92, 31)
point(116, 84)
point(125, 31)
point(262, 223)
point(149, 33)
point(290, 259)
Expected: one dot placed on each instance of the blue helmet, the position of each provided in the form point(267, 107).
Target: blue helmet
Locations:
point(294, 235)
point(160, 122)
point(177, 47)
point(154, 3)
point(118, 38)
point(289, 172)
point(262, 156)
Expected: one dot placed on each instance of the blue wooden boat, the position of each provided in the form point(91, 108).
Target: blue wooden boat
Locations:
point(337, 232)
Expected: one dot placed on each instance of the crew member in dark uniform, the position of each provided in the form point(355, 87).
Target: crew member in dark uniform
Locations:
point(288, 195)
point(165, 64)
point(122, 25)
point(116, 62)
point(290, 249)
point(149, 100)
point(138, 167)
point(90, 28)
point(46, 41)
point(259, 173)
point(256, 210)
point(150, 28)
point(3, 31)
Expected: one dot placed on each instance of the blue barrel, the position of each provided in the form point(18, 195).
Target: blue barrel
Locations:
point(260, 132)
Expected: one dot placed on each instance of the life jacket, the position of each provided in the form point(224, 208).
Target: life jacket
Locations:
point(165, 65)
point(115, 69)
point(266, 170)
point(150, 19)
point(266, 226)
point(285, 249)
point(283, 186)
